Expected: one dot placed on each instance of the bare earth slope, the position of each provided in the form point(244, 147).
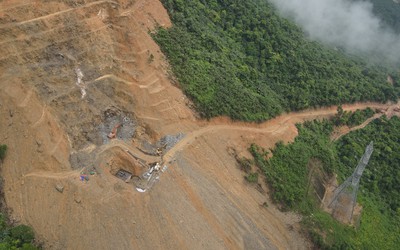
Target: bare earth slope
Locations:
point(72, 70)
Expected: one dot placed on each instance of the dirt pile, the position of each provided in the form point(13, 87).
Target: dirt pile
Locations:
point(70, 72)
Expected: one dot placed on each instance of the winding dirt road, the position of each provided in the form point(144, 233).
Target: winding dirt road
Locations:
point(201, 202)
point(279, 124)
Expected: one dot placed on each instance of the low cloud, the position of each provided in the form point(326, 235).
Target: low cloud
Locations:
point(347, 24)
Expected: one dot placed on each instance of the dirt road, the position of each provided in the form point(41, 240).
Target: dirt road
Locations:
point(71, 70)
point(278, 125)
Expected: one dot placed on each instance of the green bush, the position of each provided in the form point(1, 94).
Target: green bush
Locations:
point(28, 246)
point(23, 233)
point(352, 119)
point(18, 237)
point(252, 177)
point(3, 150)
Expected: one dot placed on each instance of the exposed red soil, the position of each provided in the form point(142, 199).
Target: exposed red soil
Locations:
point(201, 202)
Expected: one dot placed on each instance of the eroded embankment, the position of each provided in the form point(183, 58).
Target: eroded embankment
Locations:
point(70, 73)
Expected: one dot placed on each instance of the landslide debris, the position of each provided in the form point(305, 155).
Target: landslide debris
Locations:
point(71, 71)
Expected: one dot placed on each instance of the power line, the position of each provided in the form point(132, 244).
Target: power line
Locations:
point(345, 196)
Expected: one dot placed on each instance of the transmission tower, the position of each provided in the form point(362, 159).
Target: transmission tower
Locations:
point(345, 196)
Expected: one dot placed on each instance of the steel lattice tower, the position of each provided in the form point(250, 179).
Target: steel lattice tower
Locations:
point(345, 196)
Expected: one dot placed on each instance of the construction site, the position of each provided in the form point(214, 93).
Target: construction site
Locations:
point(106, 152)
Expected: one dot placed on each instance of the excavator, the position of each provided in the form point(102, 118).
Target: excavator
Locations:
point(113, 132)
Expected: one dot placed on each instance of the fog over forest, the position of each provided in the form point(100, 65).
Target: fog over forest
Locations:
point(350, 25)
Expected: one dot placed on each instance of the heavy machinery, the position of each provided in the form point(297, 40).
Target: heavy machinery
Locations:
point(113, 132)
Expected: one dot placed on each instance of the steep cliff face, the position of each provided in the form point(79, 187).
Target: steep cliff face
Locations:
point(70, 71)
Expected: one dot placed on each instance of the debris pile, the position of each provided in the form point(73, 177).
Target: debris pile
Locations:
point(81, 158)
point(117, 124)
point(169, 141)
point(162, 146)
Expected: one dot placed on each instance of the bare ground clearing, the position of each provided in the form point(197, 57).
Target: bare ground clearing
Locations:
point(70, 71)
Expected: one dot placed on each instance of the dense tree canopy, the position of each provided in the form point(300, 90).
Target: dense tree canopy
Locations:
point(18, 237)
point(389, 12)
point(239, 58)
point(382, 176)
point(288, 174)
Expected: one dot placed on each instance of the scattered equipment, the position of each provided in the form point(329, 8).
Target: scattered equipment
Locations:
point(113, 132)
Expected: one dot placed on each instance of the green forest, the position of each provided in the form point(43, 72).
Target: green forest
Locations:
point(240, 59)
point(19, 237)
point(288, 175)
point(389, 12)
